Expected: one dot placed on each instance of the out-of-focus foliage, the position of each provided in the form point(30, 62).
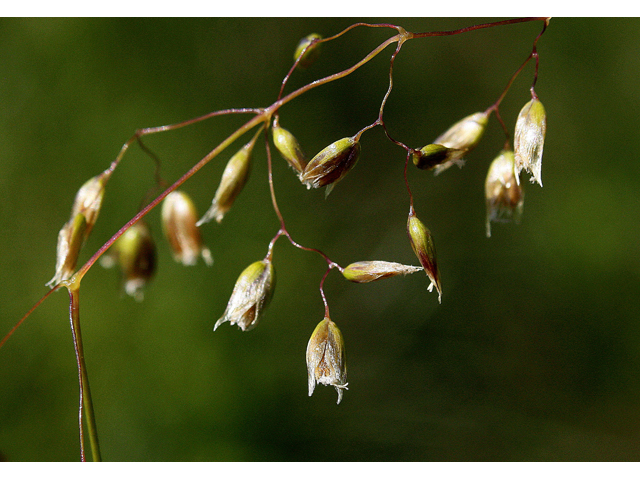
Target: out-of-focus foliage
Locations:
point(534, 353)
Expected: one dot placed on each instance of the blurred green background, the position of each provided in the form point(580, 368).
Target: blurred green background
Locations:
point(534, 353)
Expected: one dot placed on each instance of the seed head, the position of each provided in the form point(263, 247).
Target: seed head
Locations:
point(311, 54)
point(433, 155)
point(503, 193)
point(331, 165)
point(424, 248)
point(288, 147)
point(326, 360)
point(251, 295)
point(75, 232)
point(461, 138)
point(528, 140)
point(369, 271)
point(89, 199)
point(179, 224)
point(234, 177)
point(135, 252)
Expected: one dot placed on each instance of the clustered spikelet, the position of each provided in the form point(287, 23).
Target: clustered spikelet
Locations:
point(288, 147)
point(88, 200)
point(135, 253)
point(503, 193)
point(531, 128)
point(432, 155)
point(251, 296)
point(311, 53)
point(326, 359)
point(331, 164)
point(425, 249)
point(466, 133)
point(179, 218)
point(450, 147)
point(75, 232)
point(234, 177)
point(370, 271)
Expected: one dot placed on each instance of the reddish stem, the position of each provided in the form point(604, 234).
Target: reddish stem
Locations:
point(15, 327)
point(324, 298)
point(480, 26)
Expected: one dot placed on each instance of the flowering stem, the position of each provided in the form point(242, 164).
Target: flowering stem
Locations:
point(262, 117)
point(210, 156)
point(379, 120)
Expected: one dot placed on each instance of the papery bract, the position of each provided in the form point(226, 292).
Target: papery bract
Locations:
point(326, 359)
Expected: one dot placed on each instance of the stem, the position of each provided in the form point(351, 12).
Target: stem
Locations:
point(534, 53)
point(166, 128)
point(15, 327)
point(86, 404)
point(335, 76)
point(262, 117)
point(393, 58)
point(480, 26)
point(283, 228)
point(406, 179)
point(496, 105)
point(271, 187)
point(324, 298)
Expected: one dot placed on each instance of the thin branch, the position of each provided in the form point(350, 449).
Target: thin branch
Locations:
point(15, 327)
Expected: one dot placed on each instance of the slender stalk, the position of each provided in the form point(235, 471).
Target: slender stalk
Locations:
point(480, 26)
point(324, 298)
point(86, 404)
point(406, 179)
point(15, 327)
point(283, 228)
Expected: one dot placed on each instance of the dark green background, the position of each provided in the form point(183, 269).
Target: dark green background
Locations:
point(534, 353)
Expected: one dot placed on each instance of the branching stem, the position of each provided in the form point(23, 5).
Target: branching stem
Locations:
point(261, 118)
